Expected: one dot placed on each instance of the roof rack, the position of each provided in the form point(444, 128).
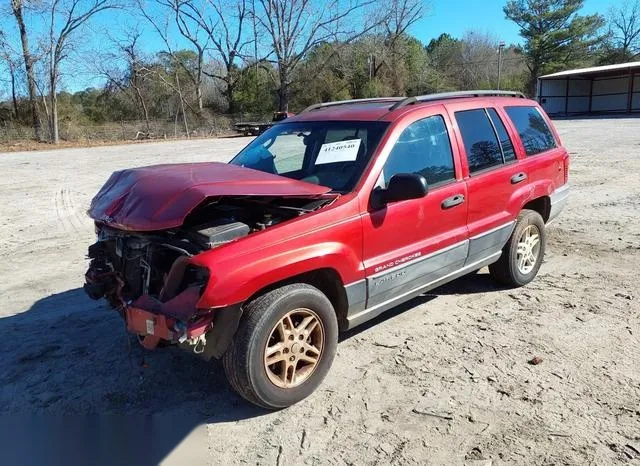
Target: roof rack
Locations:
point(454, 95)
point(352, 101)
point(399, 102)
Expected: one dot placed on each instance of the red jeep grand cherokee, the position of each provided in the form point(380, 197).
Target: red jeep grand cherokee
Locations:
point(323, 222)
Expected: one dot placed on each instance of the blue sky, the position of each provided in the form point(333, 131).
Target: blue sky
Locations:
point(458, 16)
point(452, 16)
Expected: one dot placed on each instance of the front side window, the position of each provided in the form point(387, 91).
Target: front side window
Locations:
point(329, 153)
point(534, 132)
point(423, 148)
point(479, 138)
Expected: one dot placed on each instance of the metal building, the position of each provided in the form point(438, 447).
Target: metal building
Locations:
point(601, 89)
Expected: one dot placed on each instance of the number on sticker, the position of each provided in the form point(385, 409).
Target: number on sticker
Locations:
point(341, 151)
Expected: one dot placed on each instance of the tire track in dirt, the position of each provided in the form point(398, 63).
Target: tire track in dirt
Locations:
point(67, 212)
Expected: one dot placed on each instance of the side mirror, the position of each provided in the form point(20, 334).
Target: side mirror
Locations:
point(402, 187)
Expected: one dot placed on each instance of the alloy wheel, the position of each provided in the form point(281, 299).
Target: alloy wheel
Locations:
point(528, 250)
point(294, 348)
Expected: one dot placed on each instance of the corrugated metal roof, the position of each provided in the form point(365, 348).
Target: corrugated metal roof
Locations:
point(593, 70)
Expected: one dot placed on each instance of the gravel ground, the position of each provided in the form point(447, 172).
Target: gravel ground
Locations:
point(443, 379)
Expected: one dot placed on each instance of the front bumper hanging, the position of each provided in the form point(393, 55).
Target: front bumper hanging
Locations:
point(175, 320)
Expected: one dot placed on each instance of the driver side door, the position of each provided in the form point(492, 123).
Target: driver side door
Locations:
point(409, 244)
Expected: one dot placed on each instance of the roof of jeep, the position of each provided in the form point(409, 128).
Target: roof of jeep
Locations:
point(380, 110)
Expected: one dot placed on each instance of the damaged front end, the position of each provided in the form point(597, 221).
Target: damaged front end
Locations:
point(150, 278)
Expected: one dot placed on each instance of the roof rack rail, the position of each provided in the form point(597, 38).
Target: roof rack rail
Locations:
point(352, 101)
point(454, 95)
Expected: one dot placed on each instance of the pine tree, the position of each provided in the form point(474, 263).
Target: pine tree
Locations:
point(556, 36)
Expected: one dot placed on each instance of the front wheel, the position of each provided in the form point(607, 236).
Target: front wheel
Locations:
point(522, 255)
point(284, 346)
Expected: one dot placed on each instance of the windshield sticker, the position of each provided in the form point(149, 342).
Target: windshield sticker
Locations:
point(341, 151)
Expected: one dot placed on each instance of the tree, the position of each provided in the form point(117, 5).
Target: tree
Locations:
point(294, 27)
point(478, 61)
point(622, 43)
point(444, 56)
point(359, 63)
point(227, 32)
point(555, 35)
point(330, 67)
point(189, 28)
point(394, 65)
point(133, 79)
point(217, 25)
point(72, 15)
point(254, 92)
point(404, 13)
point(472, 63)
point(171, 67)
point(29, 62)
point(9, 57)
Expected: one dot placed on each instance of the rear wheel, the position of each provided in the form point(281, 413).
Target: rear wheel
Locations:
point(284, 346)
point(522, 255)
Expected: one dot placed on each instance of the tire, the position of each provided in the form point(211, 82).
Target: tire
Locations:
point(264, 327)
point(508, 270)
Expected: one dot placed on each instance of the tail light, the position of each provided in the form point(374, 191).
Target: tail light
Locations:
point(566, 168)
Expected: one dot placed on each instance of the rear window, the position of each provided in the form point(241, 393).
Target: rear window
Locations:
point(534, 132)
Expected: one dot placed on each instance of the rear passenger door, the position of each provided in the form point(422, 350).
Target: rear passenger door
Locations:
point(492, 173)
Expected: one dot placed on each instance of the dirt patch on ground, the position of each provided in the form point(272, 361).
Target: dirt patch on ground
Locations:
point(446, 378)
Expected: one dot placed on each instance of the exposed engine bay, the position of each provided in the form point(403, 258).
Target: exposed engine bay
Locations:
point(126, 265)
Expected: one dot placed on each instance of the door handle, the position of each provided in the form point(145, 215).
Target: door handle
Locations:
point(518, 177)
point(452, 201)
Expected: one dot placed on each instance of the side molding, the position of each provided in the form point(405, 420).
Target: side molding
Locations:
point(385, 285)
point(489, 242)
point(371, 312)
point(356, 296)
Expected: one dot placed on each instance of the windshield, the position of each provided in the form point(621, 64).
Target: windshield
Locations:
point(328, 153)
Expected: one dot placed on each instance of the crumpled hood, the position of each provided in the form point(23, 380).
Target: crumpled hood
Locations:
point(161, 196)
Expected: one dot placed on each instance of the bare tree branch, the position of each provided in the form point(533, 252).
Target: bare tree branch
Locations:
point(624, 27)
point(295, 27)
point(65, 18)
point(190, 30)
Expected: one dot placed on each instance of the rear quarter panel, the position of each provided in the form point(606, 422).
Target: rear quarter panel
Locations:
point(545, 171)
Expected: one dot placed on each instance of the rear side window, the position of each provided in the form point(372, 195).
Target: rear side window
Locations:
point(534, 132)
point(480, 141)
point(423, 148)
point(503, 136)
